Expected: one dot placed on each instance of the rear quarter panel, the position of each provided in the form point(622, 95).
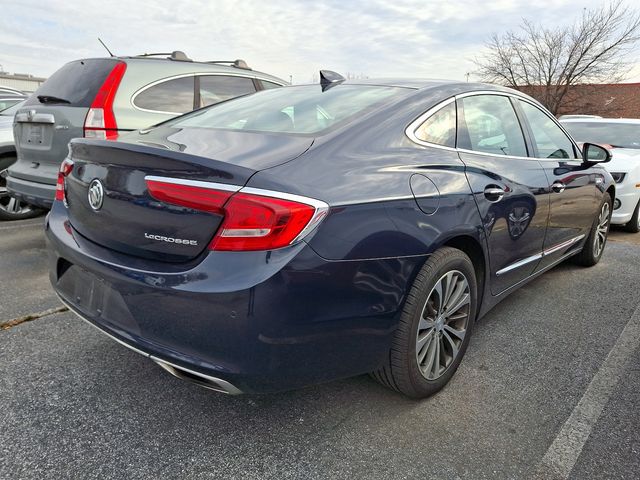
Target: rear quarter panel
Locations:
point(363, 173)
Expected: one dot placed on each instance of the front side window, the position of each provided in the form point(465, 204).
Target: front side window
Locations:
point(489, 125)
point(439, 128)
point(173, 96)
point(218, 88)
point(550, 140)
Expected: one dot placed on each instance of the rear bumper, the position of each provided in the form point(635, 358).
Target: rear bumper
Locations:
point(261, 322)
point(34, 193)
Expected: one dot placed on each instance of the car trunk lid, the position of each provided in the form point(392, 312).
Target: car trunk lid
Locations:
point(130, 220)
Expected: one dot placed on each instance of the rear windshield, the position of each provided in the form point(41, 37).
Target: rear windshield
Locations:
point(77, 82)
point(302, 109)
point(623, 135)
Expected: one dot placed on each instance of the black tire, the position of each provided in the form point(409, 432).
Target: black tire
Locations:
point(401, 370)
point(11, 209)
point(633, 225)
point(591, 253)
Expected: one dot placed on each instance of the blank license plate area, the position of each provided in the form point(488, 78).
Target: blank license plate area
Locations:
point(36, 135)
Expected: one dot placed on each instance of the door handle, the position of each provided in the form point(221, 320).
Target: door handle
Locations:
point(558, 187)
point(493, 193)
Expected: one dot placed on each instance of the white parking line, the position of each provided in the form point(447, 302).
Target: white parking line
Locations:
point(21, 225)
point(563, 453)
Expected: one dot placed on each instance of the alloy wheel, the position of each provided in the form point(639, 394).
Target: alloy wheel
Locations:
point(602, 229)
point(443, 324)
point(9, 204)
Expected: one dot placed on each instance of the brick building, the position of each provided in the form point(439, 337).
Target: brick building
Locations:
point(614, 100)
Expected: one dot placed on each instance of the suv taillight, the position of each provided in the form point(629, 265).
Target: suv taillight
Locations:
point(101, 121)
point(65, 169)
point(253, 219)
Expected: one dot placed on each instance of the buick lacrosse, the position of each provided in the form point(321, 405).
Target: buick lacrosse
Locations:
point(309, 233)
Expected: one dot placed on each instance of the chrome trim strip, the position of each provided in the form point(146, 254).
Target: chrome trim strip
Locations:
point(413, 126)
point(321, 208)
point(562, 245)
point(82, 317)
point(538, 256)
point(410, 131)
point(248, 74)
point(195, 183)
point(519, 263)
point(226, 387)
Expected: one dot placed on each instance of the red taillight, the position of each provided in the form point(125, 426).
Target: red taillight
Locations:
point(101, 121)
point(65, 169)
point(253, 219)
point(255, 222)
point(191, 196)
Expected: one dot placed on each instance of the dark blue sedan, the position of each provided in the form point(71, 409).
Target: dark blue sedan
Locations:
point(315, 232)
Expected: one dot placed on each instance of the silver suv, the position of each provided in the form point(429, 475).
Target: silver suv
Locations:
point(102, 97)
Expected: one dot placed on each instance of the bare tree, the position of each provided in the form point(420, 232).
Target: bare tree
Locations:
point(546, 62)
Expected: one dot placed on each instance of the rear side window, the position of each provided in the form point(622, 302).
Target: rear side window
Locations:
point(489, 124)
point(218, 88)
point(76, 82)
point(172, 96)
point(550, 140)
point(268, 85)
point(440, 128)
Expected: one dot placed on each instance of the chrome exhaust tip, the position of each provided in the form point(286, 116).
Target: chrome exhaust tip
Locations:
point(200, 379)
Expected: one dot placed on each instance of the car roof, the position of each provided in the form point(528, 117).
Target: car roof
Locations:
point(631, 121)
point(188, 66)
point(453, 86)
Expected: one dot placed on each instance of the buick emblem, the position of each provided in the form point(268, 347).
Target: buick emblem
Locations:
point(31, 114)
point(95, 195)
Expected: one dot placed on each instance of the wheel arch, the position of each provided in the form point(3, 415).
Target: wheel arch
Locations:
point(612, 192)
point(473, 249)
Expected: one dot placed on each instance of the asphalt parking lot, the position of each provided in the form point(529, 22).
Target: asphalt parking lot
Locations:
point(549, 389)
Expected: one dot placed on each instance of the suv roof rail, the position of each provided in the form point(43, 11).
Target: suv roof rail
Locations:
point(175, 55)
point(238, 63)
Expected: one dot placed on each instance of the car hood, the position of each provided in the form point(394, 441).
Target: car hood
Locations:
point(6, 122)
point(623, 159)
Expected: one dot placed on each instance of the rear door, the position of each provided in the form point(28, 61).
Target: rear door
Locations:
point(54, 115)
point(571, 184)
point(510, 187)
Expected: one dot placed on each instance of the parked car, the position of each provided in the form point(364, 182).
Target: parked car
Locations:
point(623, 136)
point(315, 232)
point(104, 97)
point(6, 102)
point(10, 208)
point(11, 92)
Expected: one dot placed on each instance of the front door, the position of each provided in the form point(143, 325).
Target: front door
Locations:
point(572, 185)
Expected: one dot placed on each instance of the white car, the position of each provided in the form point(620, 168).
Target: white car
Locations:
point(622, 135)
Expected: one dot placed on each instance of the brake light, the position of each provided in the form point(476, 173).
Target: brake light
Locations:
point(253, 219)
point(101, 121)
point(65, 169)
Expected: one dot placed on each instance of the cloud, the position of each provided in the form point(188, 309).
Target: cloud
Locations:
point(376, 38)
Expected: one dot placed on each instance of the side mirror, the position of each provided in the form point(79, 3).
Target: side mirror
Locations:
point(592, 153)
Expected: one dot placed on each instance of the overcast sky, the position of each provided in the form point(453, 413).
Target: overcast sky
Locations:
point(376, 38)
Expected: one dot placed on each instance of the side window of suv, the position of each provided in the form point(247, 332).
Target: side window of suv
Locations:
point(489, 124)
point(218, 88)
point(174, 96)
point(440, 128)
point(550, 140)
